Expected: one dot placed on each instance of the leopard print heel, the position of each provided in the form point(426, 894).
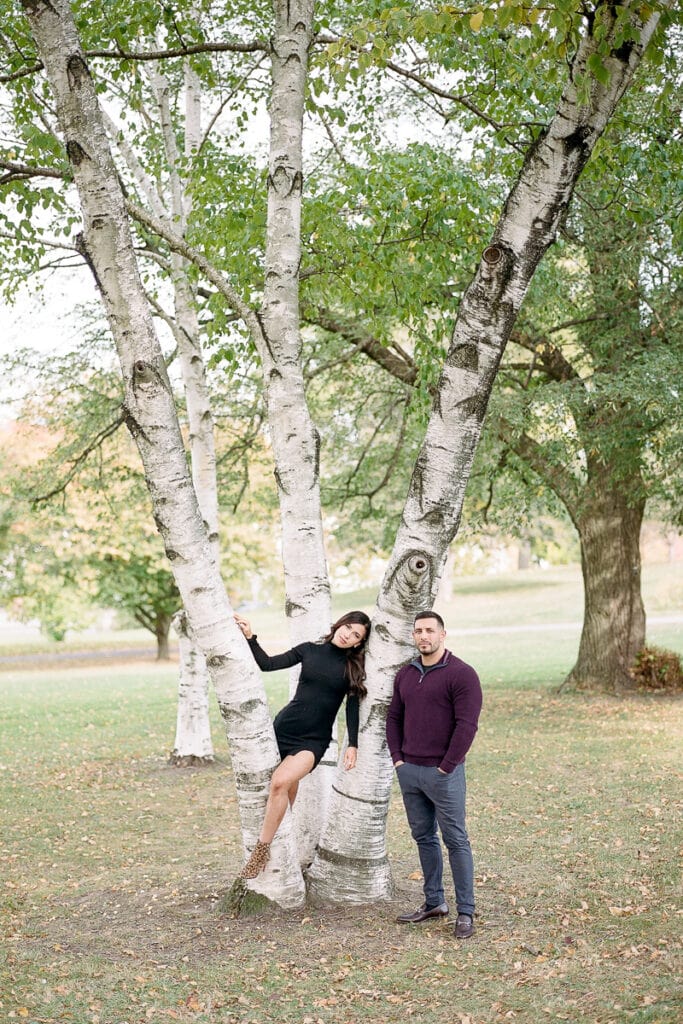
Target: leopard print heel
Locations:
point(260, 856)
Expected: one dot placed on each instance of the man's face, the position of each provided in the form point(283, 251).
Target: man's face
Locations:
point(428, 635)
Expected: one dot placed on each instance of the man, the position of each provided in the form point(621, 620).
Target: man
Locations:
point(431, 723)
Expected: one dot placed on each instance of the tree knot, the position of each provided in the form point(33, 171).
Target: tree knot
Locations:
point(144, 373)
point(75, 152)
point(492, 254)
point(76, 71)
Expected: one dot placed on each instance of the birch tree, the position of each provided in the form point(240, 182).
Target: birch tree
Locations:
point(274, 328)
point(527, 226)
point(351, 861)
point(151, 418)
point(193, 734)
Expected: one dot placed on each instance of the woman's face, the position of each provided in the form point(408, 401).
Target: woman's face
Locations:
point(351, 634)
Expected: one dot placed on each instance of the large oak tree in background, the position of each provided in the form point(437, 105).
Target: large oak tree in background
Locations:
point(604, 46)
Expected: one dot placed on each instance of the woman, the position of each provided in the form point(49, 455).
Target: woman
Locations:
point(330, 671)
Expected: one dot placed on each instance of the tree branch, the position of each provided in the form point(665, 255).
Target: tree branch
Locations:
point(76, 463)
point(179, 245)
point(559, 479)
point(231, 46)
point(400, 367)
point(20, 172)
point(555, 363)
point(221, 107)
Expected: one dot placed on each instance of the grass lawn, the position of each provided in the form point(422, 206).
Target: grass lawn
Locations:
point(112, 863)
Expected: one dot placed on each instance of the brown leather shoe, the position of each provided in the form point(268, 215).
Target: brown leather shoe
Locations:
point(464, 927)
point(423, 914)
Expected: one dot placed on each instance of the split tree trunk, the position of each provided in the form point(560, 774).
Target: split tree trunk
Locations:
point(151, 417)
point(275, 331)
point(346, 870)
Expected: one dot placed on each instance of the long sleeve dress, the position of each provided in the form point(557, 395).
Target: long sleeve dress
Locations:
point(306, 723)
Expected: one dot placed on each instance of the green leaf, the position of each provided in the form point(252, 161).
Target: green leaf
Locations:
point(598, 69)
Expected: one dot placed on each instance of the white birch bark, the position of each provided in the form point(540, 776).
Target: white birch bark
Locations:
point(294, 439)
point(151, 417)
point(275, 332)
point(174, 207)
point(193, 743)
point(351, 861)
point(194, 683)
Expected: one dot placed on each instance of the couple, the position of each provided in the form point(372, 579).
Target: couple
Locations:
point(431, 723)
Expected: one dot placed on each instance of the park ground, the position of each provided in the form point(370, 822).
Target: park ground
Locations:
point(112, 863)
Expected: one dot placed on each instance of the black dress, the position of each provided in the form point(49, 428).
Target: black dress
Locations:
point(306, 722)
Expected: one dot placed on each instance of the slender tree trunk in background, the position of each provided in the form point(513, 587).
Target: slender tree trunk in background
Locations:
point(151, 417)
point(199, 414)
point(173, 207)
point(524, 554)
point(295, 440)
point(613, 631)
point(193, 744)
point(351, 862)
point(162, 627)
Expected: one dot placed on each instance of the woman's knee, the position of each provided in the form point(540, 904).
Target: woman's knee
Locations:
point(279, 781)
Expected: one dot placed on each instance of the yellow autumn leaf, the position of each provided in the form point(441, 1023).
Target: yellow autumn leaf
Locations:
point(476, 21)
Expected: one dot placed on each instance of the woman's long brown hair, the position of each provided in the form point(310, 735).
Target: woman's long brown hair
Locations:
point(355, 657)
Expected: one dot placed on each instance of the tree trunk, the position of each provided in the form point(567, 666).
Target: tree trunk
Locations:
point(151, 416)
point(349, 870)
point(162, 627)
point(199, 413)
point(193, 744)
point(614, 616)
point(294, 438)
point(524, 554)
point(175, 208)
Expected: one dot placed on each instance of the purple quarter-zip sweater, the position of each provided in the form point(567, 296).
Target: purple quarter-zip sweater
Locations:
point(434, 712)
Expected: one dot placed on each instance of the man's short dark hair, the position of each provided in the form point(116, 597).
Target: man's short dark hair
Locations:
point(430, 615)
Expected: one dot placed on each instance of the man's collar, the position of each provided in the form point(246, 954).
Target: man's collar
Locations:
point(418, 662)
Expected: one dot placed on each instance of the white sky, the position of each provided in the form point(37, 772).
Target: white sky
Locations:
point(43, 321)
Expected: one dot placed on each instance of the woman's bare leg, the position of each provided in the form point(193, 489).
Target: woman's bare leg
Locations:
point(283, 788)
